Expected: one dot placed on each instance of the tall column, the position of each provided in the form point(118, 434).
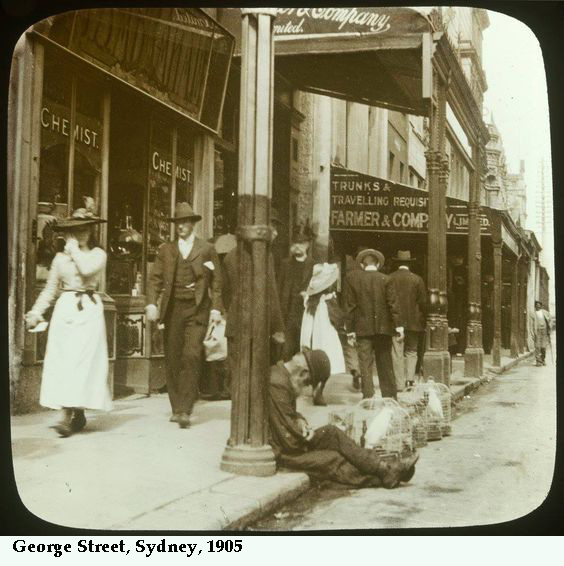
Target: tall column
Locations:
point(496, 348)
point(247, 451)
point(436, 361)
point(474, 353)
point(514, 345)
point(204, 154)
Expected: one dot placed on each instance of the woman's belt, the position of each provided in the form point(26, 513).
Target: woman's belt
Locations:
point(80, 294)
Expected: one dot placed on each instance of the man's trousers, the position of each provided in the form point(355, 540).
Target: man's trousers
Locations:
point(404, 356)
point(378, 347)
point(185, 328)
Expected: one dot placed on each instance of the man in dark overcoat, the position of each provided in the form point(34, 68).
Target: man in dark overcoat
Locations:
point(231, 301)
point(412, 300)
point(295, 274)
point(325, 453)
point(374, 317)
point(186, 278)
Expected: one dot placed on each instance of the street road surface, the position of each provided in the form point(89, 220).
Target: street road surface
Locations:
point(496, 466)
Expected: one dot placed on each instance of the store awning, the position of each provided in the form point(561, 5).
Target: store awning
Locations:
point(368, 55)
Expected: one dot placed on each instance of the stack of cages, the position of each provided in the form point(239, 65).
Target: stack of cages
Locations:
point(437, 425)
point(398, 439)
point(413, 402)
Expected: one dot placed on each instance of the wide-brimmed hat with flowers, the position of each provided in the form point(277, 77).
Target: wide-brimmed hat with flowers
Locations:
point(323, 276)
point(85, 216)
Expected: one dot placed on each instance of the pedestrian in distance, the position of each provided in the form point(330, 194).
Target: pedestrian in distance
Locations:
point(541, 329)
point(373, 317)
point(75, 369)
point(295, 274)
point(323, 320)
point(412, 301)
point(186, 281)
point(325, 453)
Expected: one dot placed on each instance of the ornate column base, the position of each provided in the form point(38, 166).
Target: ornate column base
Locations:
point(248, 460)
point(473, 362)
point(436, 366)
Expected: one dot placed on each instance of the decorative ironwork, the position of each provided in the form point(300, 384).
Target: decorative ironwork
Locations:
point(130, 336)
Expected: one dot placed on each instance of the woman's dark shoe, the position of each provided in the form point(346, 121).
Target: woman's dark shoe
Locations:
point(63, 428)
point(78, 421)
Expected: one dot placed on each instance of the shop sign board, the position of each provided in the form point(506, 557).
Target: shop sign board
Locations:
point(364, 203)
point(179, 56)
point(293, 23)
point(508, 240)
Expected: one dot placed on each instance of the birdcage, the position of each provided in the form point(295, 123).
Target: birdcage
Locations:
point(412, 401)
point(438, 425)
point(398, 437)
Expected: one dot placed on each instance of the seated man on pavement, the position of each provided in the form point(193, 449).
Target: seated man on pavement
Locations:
point(326, 453)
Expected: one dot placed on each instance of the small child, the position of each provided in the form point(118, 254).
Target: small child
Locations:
point(322, 321)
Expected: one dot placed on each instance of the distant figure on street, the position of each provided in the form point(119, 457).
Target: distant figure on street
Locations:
point(541, 330)
point(322, 321)
point(75, 370)
point(186, 278)
point(412, 300)
point(231, 298)
point(326, 453)
point(373, 315)
point(295, 274)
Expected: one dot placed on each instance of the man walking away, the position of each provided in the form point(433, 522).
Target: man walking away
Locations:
point(186, 278)
point(542, 333)
point(295, 274)
point(326, 453)
point(373, 316)
point(412, 300)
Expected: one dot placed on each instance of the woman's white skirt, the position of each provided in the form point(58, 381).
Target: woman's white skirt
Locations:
point(75, 370)
point(318, 333)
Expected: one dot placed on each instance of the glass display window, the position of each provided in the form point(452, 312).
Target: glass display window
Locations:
point(70, 152)
point(184, 167)
point(127, 196)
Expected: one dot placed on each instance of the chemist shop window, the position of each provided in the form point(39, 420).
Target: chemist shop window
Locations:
point(128, 164)
point(70, 153)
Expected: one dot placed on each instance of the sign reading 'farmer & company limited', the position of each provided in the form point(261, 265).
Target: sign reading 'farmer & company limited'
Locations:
point(365, 203)
point(313, 21)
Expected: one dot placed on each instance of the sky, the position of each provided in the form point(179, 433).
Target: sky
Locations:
point(516, 95)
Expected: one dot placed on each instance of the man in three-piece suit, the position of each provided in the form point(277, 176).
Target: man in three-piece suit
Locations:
point(374, 317)
point(186, 276)
point(295, 274)
point(412, 300)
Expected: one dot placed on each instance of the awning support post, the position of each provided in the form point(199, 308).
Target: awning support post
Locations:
point(247, 451)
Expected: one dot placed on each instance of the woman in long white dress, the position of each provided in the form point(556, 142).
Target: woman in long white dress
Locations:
point(322, 320)
point(75, 369)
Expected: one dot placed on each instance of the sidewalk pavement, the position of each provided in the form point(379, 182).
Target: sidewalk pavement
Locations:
point(132, 469)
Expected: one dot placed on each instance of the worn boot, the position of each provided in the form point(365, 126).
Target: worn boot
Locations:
point(390, 472)
point(78, 421)
point(408, 465)
point(318, 395)
point(64, 426)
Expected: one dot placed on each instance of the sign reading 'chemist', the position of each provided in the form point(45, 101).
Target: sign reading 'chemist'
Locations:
point(364, 203)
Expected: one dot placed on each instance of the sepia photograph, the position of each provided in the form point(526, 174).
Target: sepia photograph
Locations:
point(280, 269)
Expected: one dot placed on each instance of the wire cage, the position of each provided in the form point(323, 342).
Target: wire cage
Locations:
point(413, 402)
point(398, 438)
point(437, 425)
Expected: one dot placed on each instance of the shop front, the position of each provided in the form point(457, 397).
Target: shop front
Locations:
point(125, 110)
point(372, 212)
